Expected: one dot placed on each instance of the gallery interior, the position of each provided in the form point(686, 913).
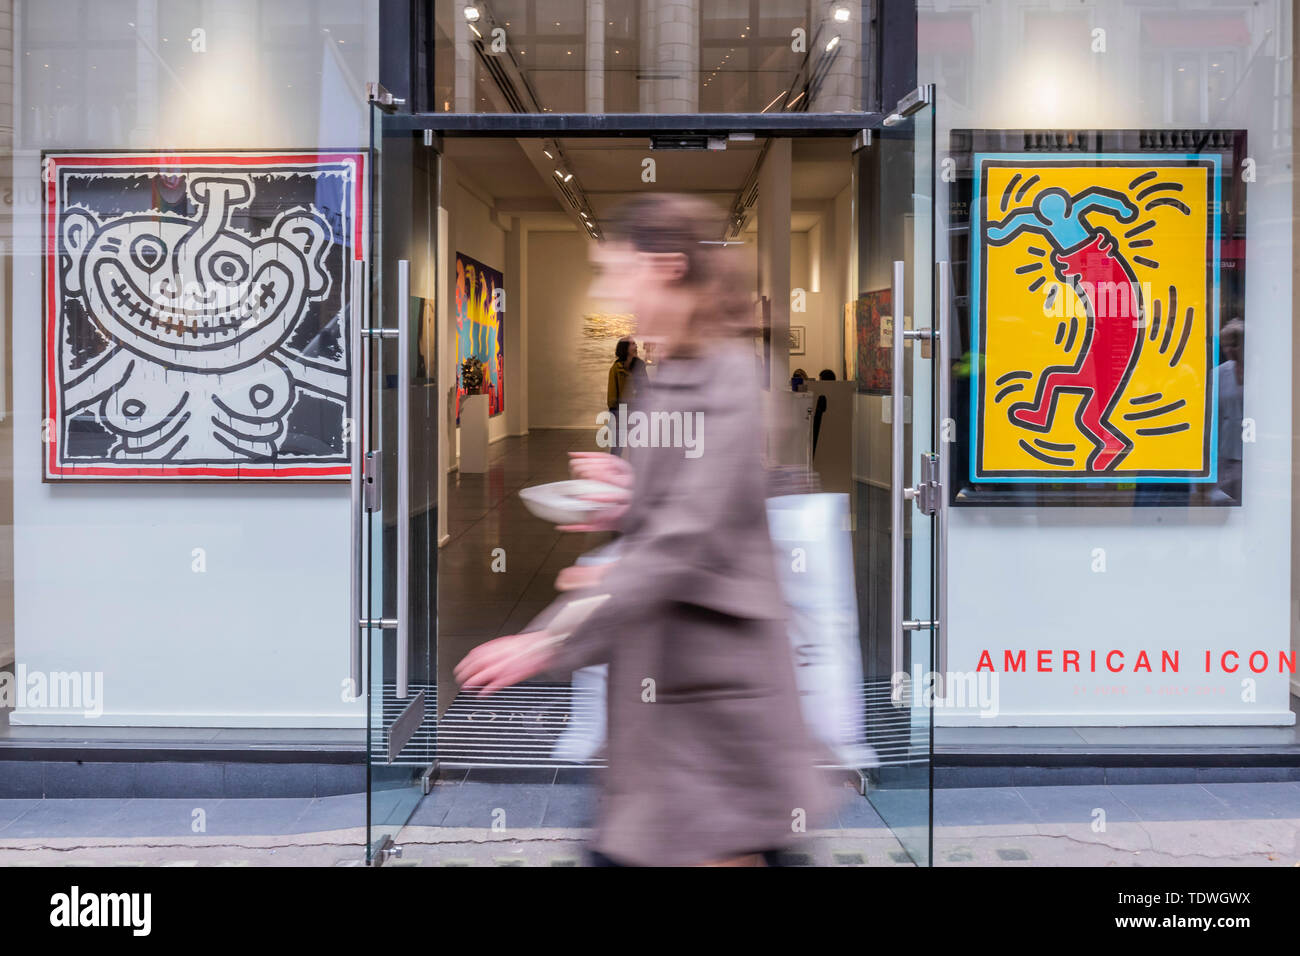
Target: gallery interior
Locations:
point(530, 209)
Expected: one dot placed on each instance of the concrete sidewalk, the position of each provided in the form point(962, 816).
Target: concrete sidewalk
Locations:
point(1239, 824)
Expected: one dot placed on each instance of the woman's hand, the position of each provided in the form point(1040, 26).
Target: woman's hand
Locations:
point(505, 661)
point(612, 470)
point(579, 576)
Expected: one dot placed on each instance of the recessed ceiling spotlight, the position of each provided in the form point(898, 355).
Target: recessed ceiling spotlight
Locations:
point(842, 14)
point(471, 12)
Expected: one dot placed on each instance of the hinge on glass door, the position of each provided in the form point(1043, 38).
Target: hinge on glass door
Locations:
point(372, 478)
point(375, 93)
point(909, 104)
point(927, 491)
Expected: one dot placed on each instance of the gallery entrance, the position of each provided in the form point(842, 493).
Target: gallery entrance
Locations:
point(438, 526)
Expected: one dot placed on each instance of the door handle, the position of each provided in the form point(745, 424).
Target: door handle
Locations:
point(356, 449)
point(946, 326)
point(403, 529)
point(897, 491)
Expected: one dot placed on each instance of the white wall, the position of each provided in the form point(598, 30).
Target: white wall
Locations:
point(103, 572)
point(821, 261)
point(1174, 578)
point(567, 382)
point(820, 333)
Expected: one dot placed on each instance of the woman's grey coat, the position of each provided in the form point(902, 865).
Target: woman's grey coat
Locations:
point(708, 754)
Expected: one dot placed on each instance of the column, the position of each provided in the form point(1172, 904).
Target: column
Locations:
point(774, 254)
point(595, 56)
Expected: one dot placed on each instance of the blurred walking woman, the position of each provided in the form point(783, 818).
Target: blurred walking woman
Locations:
point(709, 759)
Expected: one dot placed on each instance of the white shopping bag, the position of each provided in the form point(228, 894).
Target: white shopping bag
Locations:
point(814, 553)
point(821, 597)
point(584, 734)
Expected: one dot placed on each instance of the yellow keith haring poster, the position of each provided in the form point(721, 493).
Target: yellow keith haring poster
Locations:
point(1094, 306)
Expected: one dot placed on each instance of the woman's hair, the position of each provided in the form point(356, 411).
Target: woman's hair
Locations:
point(666, 222)
point(621, 349)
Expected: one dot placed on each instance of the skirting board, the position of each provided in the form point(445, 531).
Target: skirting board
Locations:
point(32, 717)
point(1272, 718)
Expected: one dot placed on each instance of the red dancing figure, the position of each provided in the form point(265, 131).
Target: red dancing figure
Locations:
point(1088, 259)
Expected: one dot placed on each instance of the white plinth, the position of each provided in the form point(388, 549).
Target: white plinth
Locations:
point(473, 434)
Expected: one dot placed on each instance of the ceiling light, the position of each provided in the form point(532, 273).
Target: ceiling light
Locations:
point(842, 14)
point(835, 41)
point(567, 177)
point(559, 175)
point(476, 33)
point(471, 12)
point(548, 154)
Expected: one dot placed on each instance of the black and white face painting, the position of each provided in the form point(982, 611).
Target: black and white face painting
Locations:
point(201, 319)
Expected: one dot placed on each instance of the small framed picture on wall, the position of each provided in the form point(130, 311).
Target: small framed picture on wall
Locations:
point(798, 343)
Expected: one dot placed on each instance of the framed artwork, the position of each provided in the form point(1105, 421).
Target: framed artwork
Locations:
point(873, 335)
point(798, 340)
point(480, 324)
point(599, 338)
point(198, 313)
point(1104, 299)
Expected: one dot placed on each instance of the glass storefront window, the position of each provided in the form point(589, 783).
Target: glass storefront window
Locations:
point(179, 506)
point(652, 56)
point(1146, 578)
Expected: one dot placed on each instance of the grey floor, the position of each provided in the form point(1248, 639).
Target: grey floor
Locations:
point(563, 800)
point(484, 512)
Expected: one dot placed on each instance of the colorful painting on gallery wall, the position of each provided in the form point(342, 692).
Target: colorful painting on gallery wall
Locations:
point(1099, 287)
point(480, 308)
point(874, 327)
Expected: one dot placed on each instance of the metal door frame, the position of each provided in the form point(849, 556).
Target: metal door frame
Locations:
point(787, 125)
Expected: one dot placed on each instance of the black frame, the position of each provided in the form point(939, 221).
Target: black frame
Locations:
point(1230, 147)
point(638, 124)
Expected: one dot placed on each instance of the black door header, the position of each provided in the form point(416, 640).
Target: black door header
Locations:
point(637, 124)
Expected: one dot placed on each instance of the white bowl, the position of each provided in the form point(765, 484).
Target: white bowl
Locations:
point(560, 502)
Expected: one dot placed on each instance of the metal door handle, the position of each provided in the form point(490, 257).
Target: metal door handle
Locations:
point(897, 493)
point(356, 450)
point(403, 531)
point(946, 330)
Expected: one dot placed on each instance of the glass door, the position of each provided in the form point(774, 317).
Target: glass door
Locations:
point(897, 459)
point(396, 490)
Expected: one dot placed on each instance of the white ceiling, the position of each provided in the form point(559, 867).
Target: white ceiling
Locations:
point(517, 175)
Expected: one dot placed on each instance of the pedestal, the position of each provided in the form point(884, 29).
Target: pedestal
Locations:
point(473, 434)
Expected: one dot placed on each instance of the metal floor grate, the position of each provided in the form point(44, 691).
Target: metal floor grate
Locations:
point(520, 726)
